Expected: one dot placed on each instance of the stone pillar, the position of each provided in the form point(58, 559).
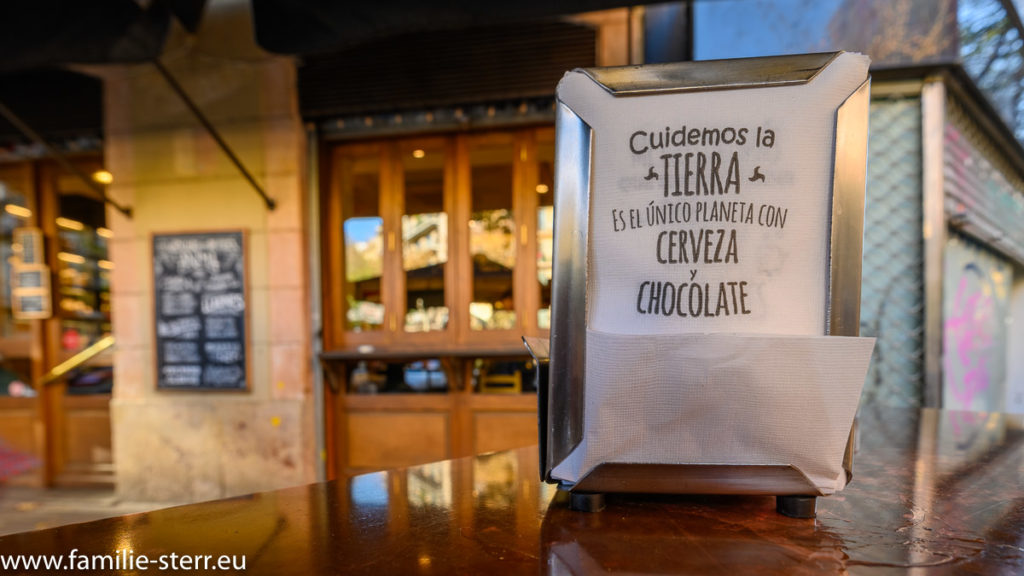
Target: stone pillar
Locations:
point(189, 446)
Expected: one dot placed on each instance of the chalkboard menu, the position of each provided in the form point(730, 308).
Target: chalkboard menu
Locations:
point(200, 299)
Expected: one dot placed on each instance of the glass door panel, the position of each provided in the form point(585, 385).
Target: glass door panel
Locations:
point(15, 212)
point(545, 227)
point(364, 242)
point(492, 246)
point(424, 238)
point(83, 272)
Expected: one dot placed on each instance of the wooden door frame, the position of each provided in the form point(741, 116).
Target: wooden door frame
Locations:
point(52, 413)
point(462, 401)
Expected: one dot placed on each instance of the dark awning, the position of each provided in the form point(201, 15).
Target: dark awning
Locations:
point(307, 26)
point(437, 69)
point(62, 105)
point(39, 36)
point(51, 32)
point(57, 32)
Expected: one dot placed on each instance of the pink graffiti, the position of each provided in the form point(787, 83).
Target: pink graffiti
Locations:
point(968, 342)
point(971, 420)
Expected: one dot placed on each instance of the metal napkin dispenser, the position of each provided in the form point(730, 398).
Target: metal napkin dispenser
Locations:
point(707, 271)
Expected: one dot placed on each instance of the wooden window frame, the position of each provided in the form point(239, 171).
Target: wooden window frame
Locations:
point(458, 336)
point(432, 339)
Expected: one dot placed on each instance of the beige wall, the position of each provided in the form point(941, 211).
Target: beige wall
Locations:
point(620, 34)
point(182, 446)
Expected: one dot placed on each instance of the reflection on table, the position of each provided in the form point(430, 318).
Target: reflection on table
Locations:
point(936, 491)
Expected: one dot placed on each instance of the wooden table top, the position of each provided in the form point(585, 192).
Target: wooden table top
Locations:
point(933, 492)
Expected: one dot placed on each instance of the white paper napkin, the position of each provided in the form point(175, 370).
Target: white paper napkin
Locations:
point(720, 399)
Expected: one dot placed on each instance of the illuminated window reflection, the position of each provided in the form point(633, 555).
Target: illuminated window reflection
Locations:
point(370, 490)
point(431, 485)
point(492, 246)
point(424, 240)
point(494, 476)
point(364, 243)
point(545, 229)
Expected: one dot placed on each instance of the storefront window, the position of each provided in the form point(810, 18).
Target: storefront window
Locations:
point(83, 272)
point(502, 376)
point(545, 228)
point(440, 242)
point(364, 243)
point(424, 238)
point(382, 377)
point(492, 246)
point(14, 213)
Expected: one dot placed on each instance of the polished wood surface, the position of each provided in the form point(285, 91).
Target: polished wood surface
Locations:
point(370, 432)
point(527, 156)
point(18, 432)
point(933, 493)
point(87, 453)
point(511, 349)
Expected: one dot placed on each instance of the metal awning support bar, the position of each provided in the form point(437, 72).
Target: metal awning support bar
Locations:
point(213, 132)
point(61, 159)
point(77, 360)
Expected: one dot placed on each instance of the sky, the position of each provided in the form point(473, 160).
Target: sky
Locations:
point(745, 28)
point(361, 229)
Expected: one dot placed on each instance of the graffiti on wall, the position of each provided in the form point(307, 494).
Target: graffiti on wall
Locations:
point(975, 308)
point(969, 337)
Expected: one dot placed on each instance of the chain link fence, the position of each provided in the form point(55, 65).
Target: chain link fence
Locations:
point(892, 291)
